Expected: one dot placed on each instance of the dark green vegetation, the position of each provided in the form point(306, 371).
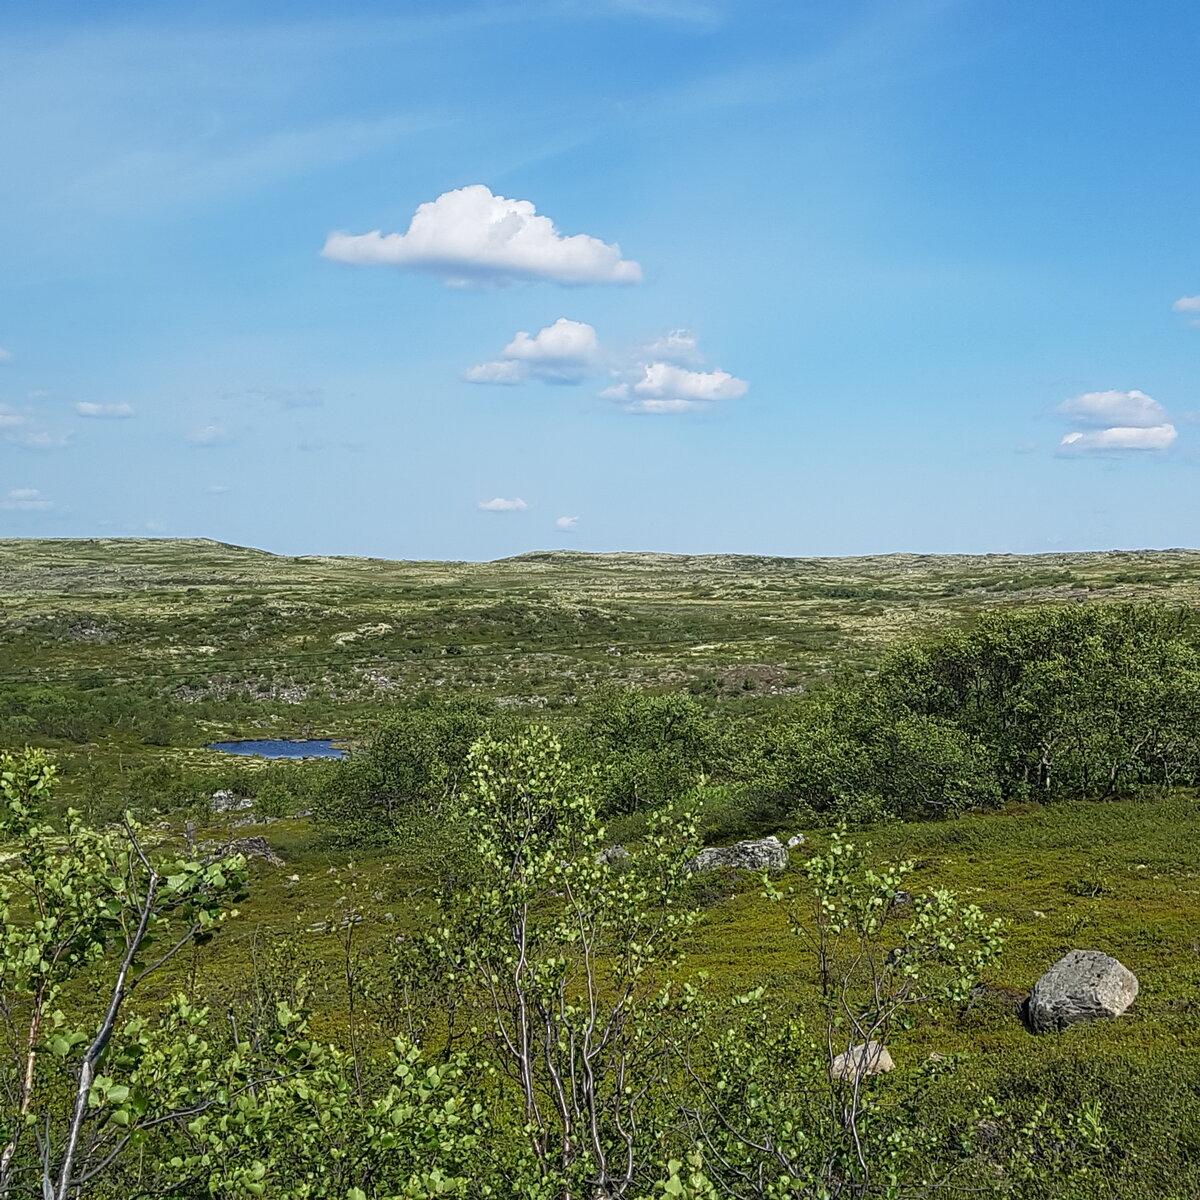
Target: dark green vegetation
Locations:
point(1023, 732)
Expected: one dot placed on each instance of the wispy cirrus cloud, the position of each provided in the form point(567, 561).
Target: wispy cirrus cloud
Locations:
point(471, 237)
point(24, 428)
point(104, 412)
point(26, 500)
point(565, 523)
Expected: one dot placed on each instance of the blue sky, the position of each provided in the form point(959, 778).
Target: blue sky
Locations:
point(782, 277)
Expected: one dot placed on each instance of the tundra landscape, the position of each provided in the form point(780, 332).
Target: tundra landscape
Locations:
point(638, 872)
point(587, 600)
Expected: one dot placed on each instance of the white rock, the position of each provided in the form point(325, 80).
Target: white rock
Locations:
point(867, 1058)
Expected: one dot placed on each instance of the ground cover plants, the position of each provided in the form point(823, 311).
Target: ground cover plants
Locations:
point(474, 960)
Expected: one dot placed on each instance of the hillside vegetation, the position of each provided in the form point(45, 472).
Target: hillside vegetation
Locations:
point(473, 960)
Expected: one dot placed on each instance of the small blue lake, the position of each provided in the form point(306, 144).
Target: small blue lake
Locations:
point(277, 748)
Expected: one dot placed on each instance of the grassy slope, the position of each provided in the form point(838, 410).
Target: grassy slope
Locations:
point(548, 625)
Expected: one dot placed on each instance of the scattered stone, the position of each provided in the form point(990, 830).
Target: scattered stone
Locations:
point(867, 1058)
point(226, 801)
point(612, 856)
point(1083, 986)
point(253, 847)
point(797, 839)
point(754, 855)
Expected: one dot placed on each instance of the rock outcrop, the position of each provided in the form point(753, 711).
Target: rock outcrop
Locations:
point(1083, 986)
point(759, 854)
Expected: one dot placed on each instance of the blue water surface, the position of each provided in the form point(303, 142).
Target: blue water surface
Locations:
point(278, 748)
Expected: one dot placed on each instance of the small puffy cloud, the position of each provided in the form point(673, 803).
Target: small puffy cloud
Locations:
point(1103, 409)
point(208, 435)
point(1119, 439)
point(1186, 304)
point(215, 489)
point(663, 387)
point(499, 504)
point(26, 500)
point(566, 523)
point(5, 355)
point(1116, 423)
point(470, 237)
point(565, 352)
point(10, 419)
point(111, 412)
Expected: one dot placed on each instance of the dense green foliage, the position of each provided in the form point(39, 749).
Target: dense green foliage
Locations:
point(1042, 704)
point(1069, 701)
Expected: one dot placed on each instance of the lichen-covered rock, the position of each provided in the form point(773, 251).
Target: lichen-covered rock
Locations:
point(1083, 986)
point(759, 854)
point(867, 1058)
point(253, 847)
point(226, 801)
point(613, 856)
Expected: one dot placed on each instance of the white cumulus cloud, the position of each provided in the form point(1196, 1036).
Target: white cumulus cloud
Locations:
point(1119, 439)
point(499, 504)
point(472, 237)
point(26, 500)
point(663, 387)
point(1101, 409)
point(5, 355)
point(104, 411)
point(565, 522)
point(565, 352)
point(1115, 422)
point(1187, 304)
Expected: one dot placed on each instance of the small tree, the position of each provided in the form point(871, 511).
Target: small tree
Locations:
point(85, 918)
point(554, 942)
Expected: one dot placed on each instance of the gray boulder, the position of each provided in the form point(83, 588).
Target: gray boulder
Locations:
point(760, 854)
point(867, 1058)
point(226, 801)
point(1083, 986)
